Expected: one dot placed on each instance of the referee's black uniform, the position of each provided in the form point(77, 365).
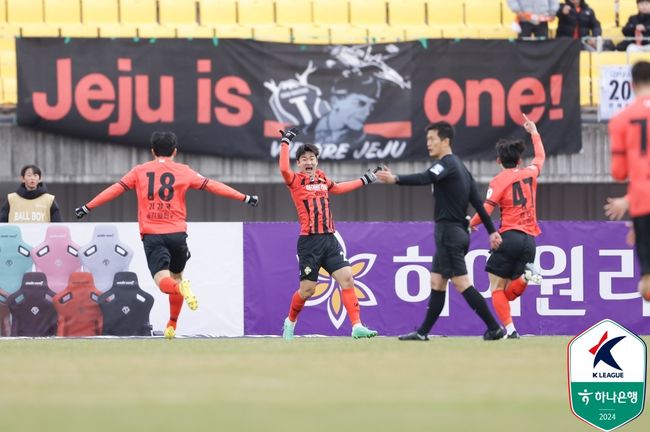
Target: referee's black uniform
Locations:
point(454, 189)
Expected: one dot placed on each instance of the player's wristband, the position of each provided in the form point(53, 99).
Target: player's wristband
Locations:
point(396, 179)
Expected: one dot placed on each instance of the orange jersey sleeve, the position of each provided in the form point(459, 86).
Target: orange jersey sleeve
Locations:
point(113, 191)
point(285, 164)
point(345, 187)
point(540, 154)
point(629, 133)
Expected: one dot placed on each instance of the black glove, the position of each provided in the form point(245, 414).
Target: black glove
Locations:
point(81, 211)
point(252, 200)
point(369, 177)
point(289, 135)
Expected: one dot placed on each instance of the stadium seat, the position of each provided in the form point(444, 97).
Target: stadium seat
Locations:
point(293, 13)
point(9, 91)
point(177, 13)
point(585, 78)
point(9, 30)
point(443, 13)
point(126, 307)
point(256, 12)
point(3, 12)
point(634, 57)
point(233, 32)
point(24, 11)
point(99, 12)
point(368, 13)
point(597, 61)
point(15, 258)
point(386, 34)
point(78, 313)
point(62, 11)
point(217, 12)
point(483, 13)
point(331, 12)
point(57, 256)
point(154, 31)
point(194, 32)
point(8, 64)
point(420, 32)
point(105, 255)
point(407, 13)
point(605, 13)
point(138, 12)
point(117, 31)
point(348, 35)
point(310, 34)
point(39, 30)
point(460, 32)
point(497, 33)
point(31, 307)
point(626, 9)
point(272, 33)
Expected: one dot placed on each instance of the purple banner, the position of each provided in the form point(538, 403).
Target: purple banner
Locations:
point(589, 274)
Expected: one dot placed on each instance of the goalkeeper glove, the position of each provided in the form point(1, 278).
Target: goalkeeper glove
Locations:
point(288, 136)
point(251, 200)
point(81, 211)
point(369, 177)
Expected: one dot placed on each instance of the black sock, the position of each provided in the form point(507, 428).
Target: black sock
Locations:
point(436, 303)
point(478, 305)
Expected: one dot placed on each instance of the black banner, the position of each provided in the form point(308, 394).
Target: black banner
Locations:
point(230, 97)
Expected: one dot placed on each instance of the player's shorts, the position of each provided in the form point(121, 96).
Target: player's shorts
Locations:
point(510, 259)
point(166, 252)
point(452, 244)
point(319, 250)
point(642, 242)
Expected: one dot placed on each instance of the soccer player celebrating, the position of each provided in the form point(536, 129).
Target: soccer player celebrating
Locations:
point(160, 186)
point(514, 190)
point(628, 135)
point(317, 246)
point(454, 188)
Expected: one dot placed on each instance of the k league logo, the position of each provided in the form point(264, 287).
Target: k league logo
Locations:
point(607, 375)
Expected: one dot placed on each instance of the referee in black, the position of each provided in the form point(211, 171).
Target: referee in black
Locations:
point(454, 188)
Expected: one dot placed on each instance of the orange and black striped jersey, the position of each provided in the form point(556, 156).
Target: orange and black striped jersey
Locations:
point(160, 186)
point(629, 135)
point(514, 191)
point(310, 195)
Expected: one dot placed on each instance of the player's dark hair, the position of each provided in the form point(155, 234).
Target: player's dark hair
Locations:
point(443, 128)
point(641, 73)
point(510, 151)
point(307, 147)
point(36, 170)
point(163, 143)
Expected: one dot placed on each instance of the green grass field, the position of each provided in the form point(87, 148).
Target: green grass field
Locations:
point(309, 384)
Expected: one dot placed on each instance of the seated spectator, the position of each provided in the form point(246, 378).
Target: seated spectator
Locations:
point(533, 16)
point(637, 27)
point(578, 21)
point(31, 202)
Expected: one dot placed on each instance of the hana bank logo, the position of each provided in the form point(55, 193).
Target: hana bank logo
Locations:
point(328, 290)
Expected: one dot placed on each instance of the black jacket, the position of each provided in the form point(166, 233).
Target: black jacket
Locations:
point(55, 215)
point(585, 20)
point(632, 22)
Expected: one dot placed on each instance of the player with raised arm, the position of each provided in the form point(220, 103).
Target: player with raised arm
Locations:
point(454, 189)
point(160, 186)
point(317, 246)
point(628, 135)
point(513, 191)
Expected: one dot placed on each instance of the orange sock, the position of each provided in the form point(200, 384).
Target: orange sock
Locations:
point(351, 303)
point(169, 285)
point(516, 288)
point(175, 306)
point(502, 307)
point(297, 303)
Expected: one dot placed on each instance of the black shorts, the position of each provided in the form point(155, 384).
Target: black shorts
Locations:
point(642, 242)
point(319, 250)
point(452, 244)
point(166, 252)
point(510, 259)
